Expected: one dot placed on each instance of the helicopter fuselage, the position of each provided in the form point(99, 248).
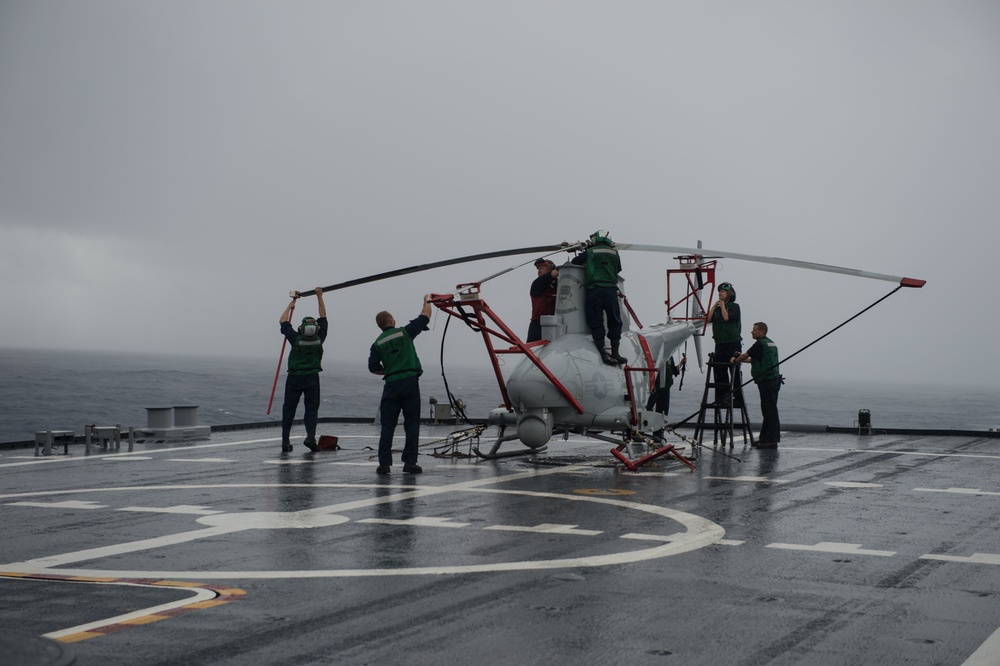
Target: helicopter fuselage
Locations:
point(602, 390)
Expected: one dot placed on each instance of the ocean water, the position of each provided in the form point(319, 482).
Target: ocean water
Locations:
point(65, 390)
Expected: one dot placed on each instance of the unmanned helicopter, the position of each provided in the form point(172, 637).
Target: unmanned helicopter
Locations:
point(562, 386)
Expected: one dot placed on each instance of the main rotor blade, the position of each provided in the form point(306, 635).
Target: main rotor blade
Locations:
point(437, 264)
point(901, 281)
point(562, 248)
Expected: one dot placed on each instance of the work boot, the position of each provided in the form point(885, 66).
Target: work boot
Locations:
point(619, 359)
point(286, 446)
point(412, 468)
point(605, 356)
point(310, 443)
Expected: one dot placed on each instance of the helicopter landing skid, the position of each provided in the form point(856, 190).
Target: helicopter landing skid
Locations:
point(493, 455)
point(501, 438)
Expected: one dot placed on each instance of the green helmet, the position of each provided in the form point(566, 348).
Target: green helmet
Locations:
point(309, 327)
point(600, 236)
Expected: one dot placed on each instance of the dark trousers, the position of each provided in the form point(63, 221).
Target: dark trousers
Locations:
point(601, 302)
point(399, 395)
point(297, 386)
point(770, 426)
point(659, 401)
point(534, 330)
point(723, 373)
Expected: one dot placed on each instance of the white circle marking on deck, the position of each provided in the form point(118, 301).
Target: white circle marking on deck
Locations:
point(699, 533)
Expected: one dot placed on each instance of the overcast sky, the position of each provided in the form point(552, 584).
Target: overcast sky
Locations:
point(170, 170)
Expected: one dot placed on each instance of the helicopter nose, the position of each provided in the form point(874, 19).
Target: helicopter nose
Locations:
point(534, 428)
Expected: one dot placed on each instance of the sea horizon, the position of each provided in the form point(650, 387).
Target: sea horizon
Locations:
point(65, 389)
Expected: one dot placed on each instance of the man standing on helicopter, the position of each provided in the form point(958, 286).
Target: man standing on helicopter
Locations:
point(601, 284)
point(543, 297)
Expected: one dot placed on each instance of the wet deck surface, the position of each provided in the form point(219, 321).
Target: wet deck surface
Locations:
point(834, 549)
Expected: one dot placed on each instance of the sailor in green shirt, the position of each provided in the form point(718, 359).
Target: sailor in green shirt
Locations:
point(725, 318)
point(601, 284)
point(303, 371)
point(763, 359)
point(394, 357)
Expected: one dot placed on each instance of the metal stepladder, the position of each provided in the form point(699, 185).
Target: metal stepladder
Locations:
point(723, 424)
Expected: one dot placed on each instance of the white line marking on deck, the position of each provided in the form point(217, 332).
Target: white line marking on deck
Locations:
point(956, 491)
point(699, 532)
point(987, 653)
point(40, 564)
point(417, 522)
point(833, 547)
point(852, 484)
point(975, 558)
point(37, 461)
point(180, 508)
point(545, 528)
point(202, 460)
point(752, 479)
point(674, 537)
point(899, 453)
point(200, 595)
point(68, 504)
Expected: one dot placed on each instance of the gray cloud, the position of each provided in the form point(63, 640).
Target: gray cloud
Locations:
point(180, 164)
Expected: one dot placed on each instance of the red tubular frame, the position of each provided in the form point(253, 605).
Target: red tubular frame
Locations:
point(633, 410)
point(281, 357)
point(649, 361)
point(633, 465)
point(630, 310)
point(689, 268)
point(470, 296)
